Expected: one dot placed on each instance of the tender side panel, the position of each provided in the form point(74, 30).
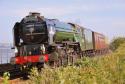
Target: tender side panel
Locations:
point(106, 42)
point(99, 41)
point(88, 39)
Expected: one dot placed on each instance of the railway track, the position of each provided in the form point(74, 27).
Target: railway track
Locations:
point(14, 72)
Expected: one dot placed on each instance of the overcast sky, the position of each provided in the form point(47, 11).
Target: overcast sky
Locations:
point(104, 16)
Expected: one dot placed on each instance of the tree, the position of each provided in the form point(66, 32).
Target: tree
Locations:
point(116, 42)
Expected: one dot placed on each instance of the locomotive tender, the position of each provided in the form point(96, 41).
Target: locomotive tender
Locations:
point(38, 40)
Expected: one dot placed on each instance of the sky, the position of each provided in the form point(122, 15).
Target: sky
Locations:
point(104, 16)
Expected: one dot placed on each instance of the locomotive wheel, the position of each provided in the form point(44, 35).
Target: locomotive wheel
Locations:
point(53, 59)
point(40, 66)
point(24, 71)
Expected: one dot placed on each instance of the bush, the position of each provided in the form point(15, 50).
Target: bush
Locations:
point(109, 69)
point(6, 77)
point(116, 42)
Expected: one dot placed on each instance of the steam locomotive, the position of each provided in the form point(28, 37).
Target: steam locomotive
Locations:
point(38, 40)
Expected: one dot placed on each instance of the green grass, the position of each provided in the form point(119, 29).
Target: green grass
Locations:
point(109, 69)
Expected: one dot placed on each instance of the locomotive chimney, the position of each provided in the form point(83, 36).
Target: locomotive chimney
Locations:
point(34, 14)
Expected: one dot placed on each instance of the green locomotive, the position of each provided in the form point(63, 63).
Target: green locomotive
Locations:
point(36, 36)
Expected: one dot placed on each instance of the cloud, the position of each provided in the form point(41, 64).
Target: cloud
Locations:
point(63, 9)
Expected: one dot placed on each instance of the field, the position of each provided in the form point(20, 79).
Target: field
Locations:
point(109, 69)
